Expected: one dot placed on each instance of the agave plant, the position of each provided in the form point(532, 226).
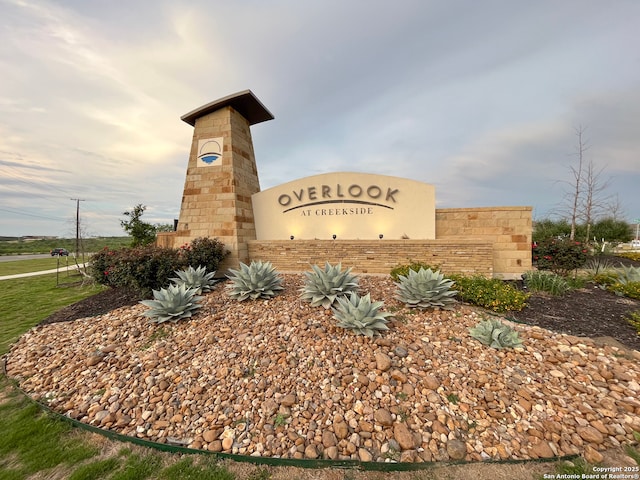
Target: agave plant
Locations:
point(598, 264)
point(628, 274)
point(425, 289)
point(495, 334)
point(171, 304)
point(322, 287)
point(360, 314)
point(258, 280)
point(196, 278)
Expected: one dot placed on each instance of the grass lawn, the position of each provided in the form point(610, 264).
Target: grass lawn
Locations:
point(24, 302)
point(14, 247)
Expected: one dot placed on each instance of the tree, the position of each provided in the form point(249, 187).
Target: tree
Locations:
point(164, 227)
point(594, 200)
point(547, 228)
point(141, 232)
point(612, 230)
point(585, 199)
point(576, 191)
point(615, 209)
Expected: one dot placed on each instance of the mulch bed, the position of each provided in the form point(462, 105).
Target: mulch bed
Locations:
point(588, 312)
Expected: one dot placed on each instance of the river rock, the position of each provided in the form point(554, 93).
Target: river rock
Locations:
point(592, 456)
point(364, 455)
point(542, 450)
point(403, 436)
point(329, 439)
point(383, 362)
point(456, 449)
point(382, 416)
point(341, 429)
point(431, 382)
point(590, 434)
point(311, 452)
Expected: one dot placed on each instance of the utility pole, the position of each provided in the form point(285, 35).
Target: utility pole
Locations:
point(77, 200)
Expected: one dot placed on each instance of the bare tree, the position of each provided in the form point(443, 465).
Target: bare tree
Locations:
point(615, 209)
point(584, 199)
point(593, 202)
point(576, 185)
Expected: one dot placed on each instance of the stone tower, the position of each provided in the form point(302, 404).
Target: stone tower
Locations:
point(221, 175)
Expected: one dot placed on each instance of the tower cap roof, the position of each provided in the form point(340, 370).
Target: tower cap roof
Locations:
point(245, 102)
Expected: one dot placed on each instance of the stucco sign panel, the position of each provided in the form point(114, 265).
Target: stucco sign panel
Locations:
point(348, 205)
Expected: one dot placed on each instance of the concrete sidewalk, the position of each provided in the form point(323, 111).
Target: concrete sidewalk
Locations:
point(42, 272)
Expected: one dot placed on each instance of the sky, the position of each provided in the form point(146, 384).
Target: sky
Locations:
point(481, 99)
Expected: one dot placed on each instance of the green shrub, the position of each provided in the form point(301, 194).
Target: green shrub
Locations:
point(100, 263)
point(576, 282)
point(547, 228)
point(415, 266)
point(425, 289)
point(604, 278)
point(629, 289)
point(540, 281)
point(495, 334)
point(171, 304)
point(559, 256)
point(142, 268)
point(360, 314)
point(204, 252)
point(491, 293)
point(634, 320)
point(150, 268)
point(635, 256)
point(257, 280)
point(323, 287)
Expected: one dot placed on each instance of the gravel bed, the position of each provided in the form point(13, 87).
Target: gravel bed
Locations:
point(277, 378)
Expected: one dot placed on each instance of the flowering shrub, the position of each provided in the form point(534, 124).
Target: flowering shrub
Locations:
point(605, 278)
point(142, 268)
point(629, 289)
point(634, 320)
point(149, 267)
point(630, 255)
point(491, 293)
point(559, 256)
point(99, 265)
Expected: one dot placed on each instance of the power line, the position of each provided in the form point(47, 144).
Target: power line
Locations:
point(16, 212)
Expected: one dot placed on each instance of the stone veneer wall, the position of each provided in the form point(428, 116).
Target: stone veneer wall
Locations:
point(508, 229)
point(375, 256)
point(490, 241)
point(216, 201)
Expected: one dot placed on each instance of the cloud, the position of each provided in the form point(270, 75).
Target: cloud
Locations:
point(480, 99)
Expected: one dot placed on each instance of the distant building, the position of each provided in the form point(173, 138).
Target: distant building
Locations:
point(31, 238)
